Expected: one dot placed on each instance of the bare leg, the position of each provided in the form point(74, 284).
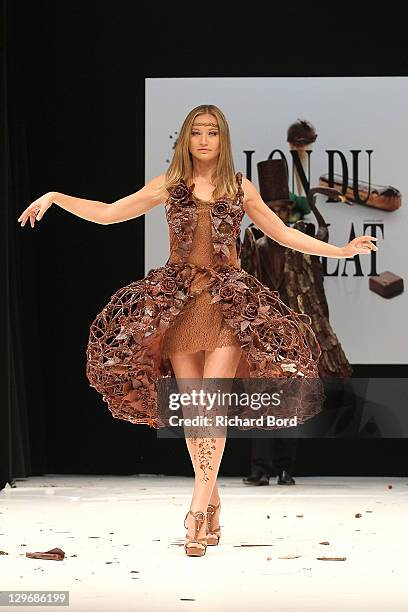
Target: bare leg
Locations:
point(190, 366)
point(220, 363)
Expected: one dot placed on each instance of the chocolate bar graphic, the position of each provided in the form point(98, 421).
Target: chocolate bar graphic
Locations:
point(387, 284)
point(384, 197)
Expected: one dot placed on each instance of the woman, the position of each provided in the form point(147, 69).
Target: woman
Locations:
point(199, 316)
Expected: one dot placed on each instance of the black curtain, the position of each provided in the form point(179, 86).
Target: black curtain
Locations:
point(23, 424)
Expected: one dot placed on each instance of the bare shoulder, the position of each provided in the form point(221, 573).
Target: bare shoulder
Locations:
point(249, 189)
point(156, 188)
point(157, 181)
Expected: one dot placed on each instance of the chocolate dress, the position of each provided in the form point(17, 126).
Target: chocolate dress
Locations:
point(199, 300)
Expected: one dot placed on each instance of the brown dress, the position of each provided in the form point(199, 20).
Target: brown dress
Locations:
point(199, 300)
point(201, 325)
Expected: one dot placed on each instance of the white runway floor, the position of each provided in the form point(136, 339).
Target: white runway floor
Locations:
point(122, 537)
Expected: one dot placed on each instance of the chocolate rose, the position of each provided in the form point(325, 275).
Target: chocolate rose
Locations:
point(169, 286)
point(177, 273)
point(221, 209)
point(238, 299)
point(180, 193)
point(171, 271)
point(250, 311)
point(227, 293)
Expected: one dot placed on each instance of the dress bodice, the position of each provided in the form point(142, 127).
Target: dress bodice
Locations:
point(204, 233)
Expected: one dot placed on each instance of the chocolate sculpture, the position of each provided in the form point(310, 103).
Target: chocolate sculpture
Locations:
point(384, 197)
point(298, 277)
point(301, 136)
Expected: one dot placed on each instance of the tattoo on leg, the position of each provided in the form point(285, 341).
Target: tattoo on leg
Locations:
point(203, 448)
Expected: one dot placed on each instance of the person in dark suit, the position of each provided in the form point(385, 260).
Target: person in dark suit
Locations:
point(270, 456)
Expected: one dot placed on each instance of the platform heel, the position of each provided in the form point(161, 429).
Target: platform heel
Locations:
point(213, 535)
point(195, 547)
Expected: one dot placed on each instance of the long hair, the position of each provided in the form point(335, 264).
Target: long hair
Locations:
point(181, 166)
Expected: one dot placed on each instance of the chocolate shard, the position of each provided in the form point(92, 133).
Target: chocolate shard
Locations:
point(55, 554)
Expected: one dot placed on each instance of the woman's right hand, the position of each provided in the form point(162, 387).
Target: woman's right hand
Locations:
point(37, 209)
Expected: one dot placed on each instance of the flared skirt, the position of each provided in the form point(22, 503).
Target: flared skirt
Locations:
point(131, 339)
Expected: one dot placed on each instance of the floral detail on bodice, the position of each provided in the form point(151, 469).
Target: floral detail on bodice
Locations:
point(226, 215)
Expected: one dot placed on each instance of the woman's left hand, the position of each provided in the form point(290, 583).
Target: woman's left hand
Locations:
point(359, 246)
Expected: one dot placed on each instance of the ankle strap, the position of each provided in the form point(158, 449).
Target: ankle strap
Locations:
point(199, 518)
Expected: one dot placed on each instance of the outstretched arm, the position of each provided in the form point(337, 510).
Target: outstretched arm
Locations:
point(129, 207)
point(273, 226)
point(138, 203)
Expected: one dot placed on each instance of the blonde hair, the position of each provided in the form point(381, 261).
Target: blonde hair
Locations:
point(181, 165)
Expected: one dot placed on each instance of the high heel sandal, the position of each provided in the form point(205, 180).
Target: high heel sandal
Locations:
point(213, 535)
point(201, 543)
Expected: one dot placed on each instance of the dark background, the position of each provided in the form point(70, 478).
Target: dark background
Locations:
point(74, 111)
